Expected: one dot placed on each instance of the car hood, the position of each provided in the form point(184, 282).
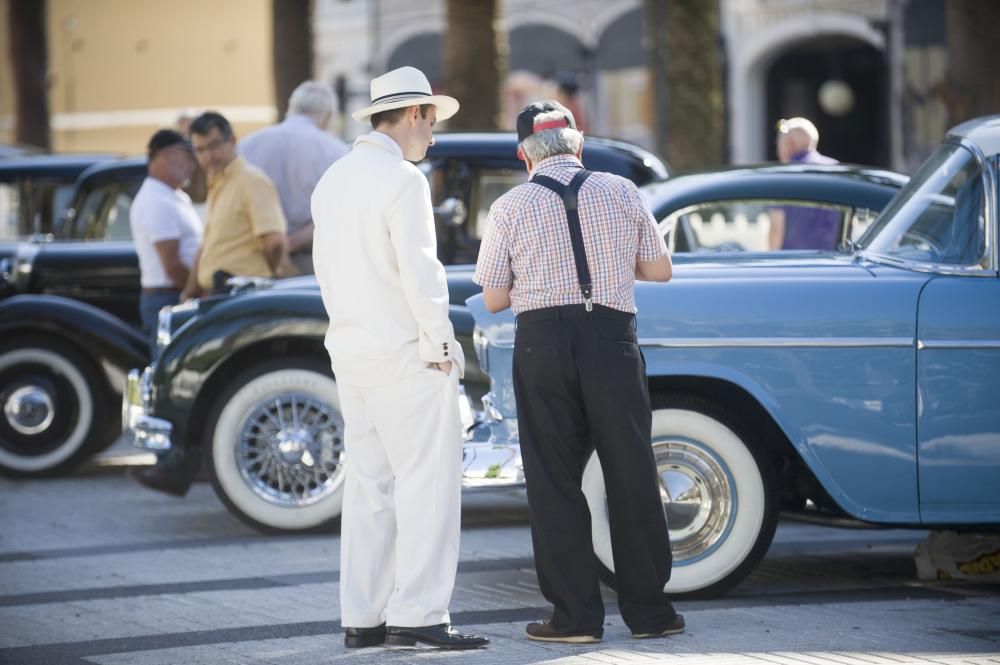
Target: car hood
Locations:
point(460, 284)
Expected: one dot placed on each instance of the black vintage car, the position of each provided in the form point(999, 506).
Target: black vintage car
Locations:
point(35, 191)
point(69, 308)
point(246, 380)
point(68, 313)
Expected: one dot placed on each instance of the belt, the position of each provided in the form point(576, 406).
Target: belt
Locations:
point(160, 290)
point(571, 312)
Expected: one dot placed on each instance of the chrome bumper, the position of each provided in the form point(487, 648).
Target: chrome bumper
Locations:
point(489, 467)
point(138, 427)
point(486, 464)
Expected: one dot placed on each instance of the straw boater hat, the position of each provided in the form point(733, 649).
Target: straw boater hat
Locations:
point(406, 86)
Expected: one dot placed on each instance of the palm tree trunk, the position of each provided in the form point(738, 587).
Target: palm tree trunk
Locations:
point(685, 57)
point(291, 48)
point(972, 86)
point(475, 62)
point(30, 63)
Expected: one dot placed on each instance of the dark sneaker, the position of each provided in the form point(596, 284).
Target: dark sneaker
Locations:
point(358, 638)
point(441, 636)
point(544, 632)
point(673, 628)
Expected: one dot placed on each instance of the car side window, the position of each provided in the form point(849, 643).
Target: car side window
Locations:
point(860, 221)
point(755, 225)
point(490, 185)
point(9, 204)
point(116, 225)
point(88, 216)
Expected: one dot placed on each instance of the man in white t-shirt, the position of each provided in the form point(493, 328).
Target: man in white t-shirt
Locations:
point(166, 227)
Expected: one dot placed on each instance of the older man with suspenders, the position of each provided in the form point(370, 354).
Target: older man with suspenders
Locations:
point(563, 251)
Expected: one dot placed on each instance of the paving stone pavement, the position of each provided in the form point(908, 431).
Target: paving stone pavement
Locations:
point(961, 631)
point(95, 570)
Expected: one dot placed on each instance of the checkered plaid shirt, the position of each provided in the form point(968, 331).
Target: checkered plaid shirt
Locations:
point(526, 246)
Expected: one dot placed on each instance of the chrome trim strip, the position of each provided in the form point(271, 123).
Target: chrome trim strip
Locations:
point(23, 265)
point(776, 342)
point(959, 344)
point(990, 211)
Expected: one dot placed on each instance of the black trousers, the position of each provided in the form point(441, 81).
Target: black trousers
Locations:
point(580, 384)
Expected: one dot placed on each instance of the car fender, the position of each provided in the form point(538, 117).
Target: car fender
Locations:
point(100, 335)
point(202, 347)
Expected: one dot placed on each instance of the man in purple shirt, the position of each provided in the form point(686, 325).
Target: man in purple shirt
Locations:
point(805, 226)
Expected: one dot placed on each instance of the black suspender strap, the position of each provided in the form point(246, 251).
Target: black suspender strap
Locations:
point(568, 193)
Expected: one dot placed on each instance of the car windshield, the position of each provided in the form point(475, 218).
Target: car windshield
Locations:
point(938, 217)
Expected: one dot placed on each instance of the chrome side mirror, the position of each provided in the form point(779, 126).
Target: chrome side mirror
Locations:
point(451, 212)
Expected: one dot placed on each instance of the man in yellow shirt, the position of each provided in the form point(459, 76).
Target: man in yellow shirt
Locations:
point(245, 227)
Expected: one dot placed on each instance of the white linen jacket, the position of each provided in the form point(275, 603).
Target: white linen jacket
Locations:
point(375, 255)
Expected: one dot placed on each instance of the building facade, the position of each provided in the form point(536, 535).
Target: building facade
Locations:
point(862, 70)
point(120, 69)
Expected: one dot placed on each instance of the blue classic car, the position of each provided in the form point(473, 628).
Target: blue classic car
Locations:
point(231, 367)
point(861, 384)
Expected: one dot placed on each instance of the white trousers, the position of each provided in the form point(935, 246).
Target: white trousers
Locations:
point(402, 501)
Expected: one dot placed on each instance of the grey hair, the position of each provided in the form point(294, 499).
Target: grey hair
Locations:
point(311, 98)
point(550, 142)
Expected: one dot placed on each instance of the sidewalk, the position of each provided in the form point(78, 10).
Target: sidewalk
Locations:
point(959, 625)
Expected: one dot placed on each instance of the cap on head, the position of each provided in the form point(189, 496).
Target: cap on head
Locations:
point(556, 116)
point(406, 86)
point(166, 138)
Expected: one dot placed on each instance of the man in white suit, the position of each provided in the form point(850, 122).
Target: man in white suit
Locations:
point(397, 364)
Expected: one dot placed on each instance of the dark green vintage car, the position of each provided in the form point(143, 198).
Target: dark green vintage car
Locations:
point(246, 379)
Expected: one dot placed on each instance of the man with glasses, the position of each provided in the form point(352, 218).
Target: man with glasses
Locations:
point(245, 227)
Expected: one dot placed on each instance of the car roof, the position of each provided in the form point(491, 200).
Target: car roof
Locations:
point(842, 184)
point(600, 153)
point(983, 132)
point(57, 166)
point(118, 169)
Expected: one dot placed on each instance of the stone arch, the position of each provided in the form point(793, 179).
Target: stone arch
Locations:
point(620, 42)
point(546, 50)
point(425, 51)
point(757, 50)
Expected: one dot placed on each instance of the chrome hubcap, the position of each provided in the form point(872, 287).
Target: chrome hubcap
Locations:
point(290, 450)
point(29, 410)
point(697, 495)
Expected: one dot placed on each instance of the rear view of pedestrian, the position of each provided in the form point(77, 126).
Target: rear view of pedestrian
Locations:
point(295, 154)
point(563, 251)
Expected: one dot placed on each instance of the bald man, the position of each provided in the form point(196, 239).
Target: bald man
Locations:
point(802, 227)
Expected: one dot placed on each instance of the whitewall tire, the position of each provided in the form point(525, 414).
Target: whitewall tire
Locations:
point(718, 494)
point(53, 409)
point(276, 448)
